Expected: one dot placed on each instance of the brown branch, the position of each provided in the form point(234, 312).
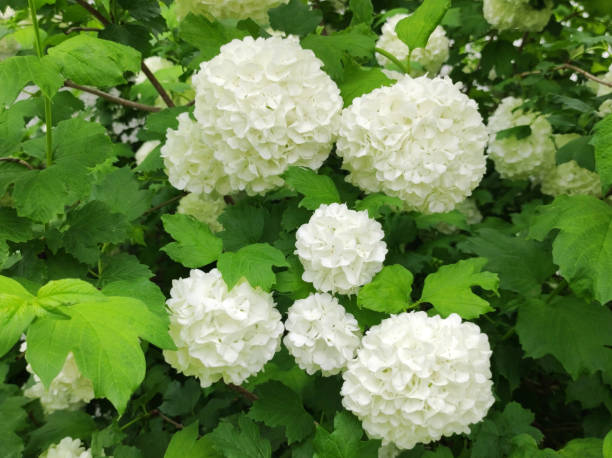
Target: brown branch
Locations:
point(16, 161)
point(163, 204)
point(112, 98)
point(157, 85)
point(244, 392)
point(94, 12)
point(176, 424)
point(571, 67)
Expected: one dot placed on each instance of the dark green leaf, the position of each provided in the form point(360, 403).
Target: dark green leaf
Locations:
point(243, 441)
point(242, 225)
point(602, 141)
point(207, 36)
point(58, 425)
point(579, 150)
point(363, 11)
point(345, 441)
point(518, 132)
point(295, 18)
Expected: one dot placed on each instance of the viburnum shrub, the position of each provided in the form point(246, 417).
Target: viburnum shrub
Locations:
point(291, 228)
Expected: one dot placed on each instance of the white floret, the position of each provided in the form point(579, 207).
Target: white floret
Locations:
point(417, 378)
point(517, 14)
point(228, 9)
point(421, 140)
point(321, 334)
point(221, 334)
point(205, 208)
point(571, 179)
point(262, 105)
point(67, 448)
point(431, 57)
point(340, 249)
point(526, 158)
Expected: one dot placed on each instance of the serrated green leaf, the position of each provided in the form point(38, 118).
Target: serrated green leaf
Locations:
point(253, 262)
point(579, 150)
point(290, 280)
point(363, 11)
point(454, 219)
point(317, 189)
point(41, 195)
point(120, 191)
point(602, 142)
point(244, 441)
point(181, 398)
point(280, 406)
point(295, 18)
point(415, 29)
point(14, 228)
point(16, 72)
point(122, 267)
point(589, 447)
point(207, 36)
point(345, 441)
point(242, 225)
point(360, 80)
point(185, 444)
point(373, 203)
point(389, 291)
point(195, 244)
point(67, 292)
point(607, 445)
point(14, 415)
point(17, 310)
point(140, 288)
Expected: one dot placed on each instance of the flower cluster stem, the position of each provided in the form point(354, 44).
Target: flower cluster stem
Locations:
point(392, 58)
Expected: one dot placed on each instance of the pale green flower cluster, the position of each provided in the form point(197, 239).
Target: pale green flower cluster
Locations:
point(67, 448)
point(228, 9)
point(517, 14)
point(205, 208)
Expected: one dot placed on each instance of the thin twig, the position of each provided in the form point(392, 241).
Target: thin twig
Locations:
point(112, 98)
point(17, 161)
point(156, 84)
point(163, 204)
point(176, 424)
point(94, 12)
point(82, 29)
point(571, 67)
point(244, 392)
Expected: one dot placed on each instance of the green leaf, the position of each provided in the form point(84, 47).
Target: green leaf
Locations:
point(295, 18)
point(104, 337)
point(518, 132)
point(123, 267)
point(345, 441)
point(120, 191)
point(207, 36)
point(317, 189)
point(374, 203)
point(607, 445)
point(290, 280)
point(280, 406)
point(180, 399)
point(602, 142)
point(577, 333)
point(185, 444)
point(454, 219)
point(17, 310)
point(67, 292)
point(589, 447)
point(140, 288)
point(85, 59)
point(389, 291)
point(244, 441)
point(579, 150)
point(41, 195)
point(363, 11)
point(195, 244)
point(14, 420)
point(253, 262)
point(415, 29)
point(58, 425)
point(360, 80)
point(583, 247)
point(14, 228)
point(16, 72)
point(242, 225)
point(449, 290)
point(522, 265)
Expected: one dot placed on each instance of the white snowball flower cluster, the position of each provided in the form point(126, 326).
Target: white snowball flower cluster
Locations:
point(221, 334)
point(205, 208)
point(261, 105)
point(431, 57)
point(418, 378)
point(228, 9)
point(528, 157)
point(69, 390)
point(321, 334)
point(67, 448)
point(421, 140)
point(517, 14)
point(340, 249)
point(571, 179)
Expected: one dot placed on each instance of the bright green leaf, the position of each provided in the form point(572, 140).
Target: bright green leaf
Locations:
point(253, 262)
point(185, 444)
point(607, 445)
point(373, 203)
point(67, 292)
point(16, 72)
point(195, 244)
point(360, 80)
point(589, 447)
point(317, 189)
point(207, 36)
point(363, 11)
point(389, 291)
point(17, 310)
point(415, 29)
point(602, 142)
point(345, 441)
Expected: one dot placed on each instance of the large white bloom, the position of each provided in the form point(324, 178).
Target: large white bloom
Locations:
point(517, 14)
point(528, 157)
point(421, 140)
point(228, 9)
point(221, 334)
point(431, 57)
point(262, 105)
point(190, 161)
point(571, 179)
point(67, 448)
point(205, 208)
point(340, 249)
point(321, 334)
point(69, 390)
point(418, 378)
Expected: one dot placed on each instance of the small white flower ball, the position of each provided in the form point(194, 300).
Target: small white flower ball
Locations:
point(421, 140)
point(340, 249)
point(525, 158)
point(205, 208)
point(221, 334)
point(322, 335)
point(67, 448)
point(417, 378)
point(517, 14)
point(69, 390)
point(431, 57)
point(228, 9)
point(262, 105)
point(571, 179)
point(190, 161)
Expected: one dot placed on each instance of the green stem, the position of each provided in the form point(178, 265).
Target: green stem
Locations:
point(563, 284)
point(135, 420)
point(47, 100)
point(393, 59)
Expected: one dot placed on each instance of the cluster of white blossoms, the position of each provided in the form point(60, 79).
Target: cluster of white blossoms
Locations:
point(69, 390)
point(421, 140)
point(205, 208)
point(321, 335)
point(418, 378)
point(221, 334)
point(228, 9)
point(517, 14)
point(67, 448)
point(525, 158)
point(571, 179)
point(340, 249)
point(431, 57)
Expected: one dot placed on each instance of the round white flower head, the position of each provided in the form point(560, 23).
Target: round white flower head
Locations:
point(67, 448)
point(205, 208)
point(528, 157)
point(571, 179)
point(340, 249)
point(228, 9)
point(321, 334)
point(421, 140)
point(431, 57)
point(418, 378)
point(517, 14)
point(221, 334)
point(262, 105)
point(69, 390)
point(189, 160)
